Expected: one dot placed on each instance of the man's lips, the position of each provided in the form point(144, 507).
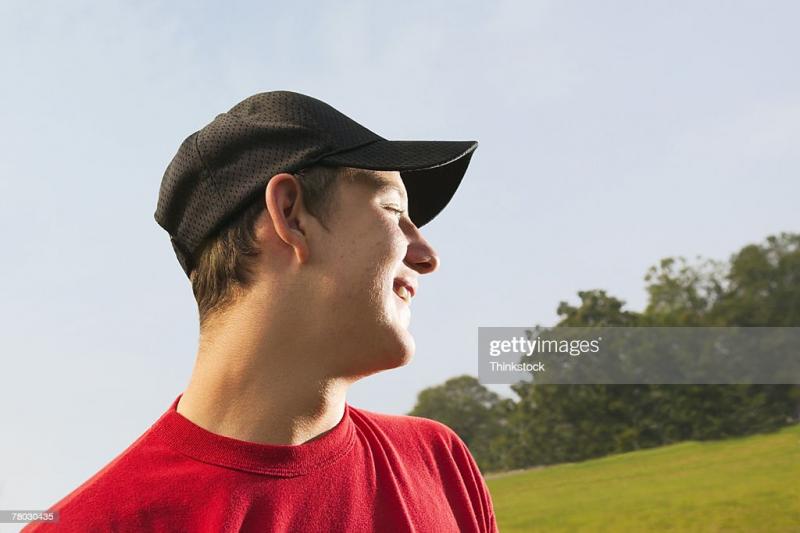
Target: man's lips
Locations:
point(404, 289)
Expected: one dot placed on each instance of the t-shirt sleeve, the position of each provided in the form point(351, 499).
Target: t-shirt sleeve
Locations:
point(476, 485)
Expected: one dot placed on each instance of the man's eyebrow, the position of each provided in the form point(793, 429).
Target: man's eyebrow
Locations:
point(380, 183)
point(383, 185)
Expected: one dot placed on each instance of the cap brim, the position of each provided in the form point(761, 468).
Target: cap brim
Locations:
point(430, 170)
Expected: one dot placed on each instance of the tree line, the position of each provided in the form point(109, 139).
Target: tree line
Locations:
point(546, 424)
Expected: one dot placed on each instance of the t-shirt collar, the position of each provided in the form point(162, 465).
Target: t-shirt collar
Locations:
point(270, 459)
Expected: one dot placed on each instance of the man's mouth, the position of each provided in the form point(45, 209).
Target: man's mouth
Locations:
point(402, 291)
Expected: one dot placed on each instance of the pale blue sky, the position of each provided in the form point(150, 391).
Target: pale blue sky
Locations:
point(611, 134)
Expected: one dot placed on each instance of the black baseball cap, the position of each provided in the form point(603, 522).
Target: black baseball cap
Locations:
point(219, 170)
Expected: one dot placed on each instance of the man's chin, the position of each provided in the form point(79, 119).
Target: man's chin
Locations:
point(402, 360)
point(400, 354)
point(395, 354)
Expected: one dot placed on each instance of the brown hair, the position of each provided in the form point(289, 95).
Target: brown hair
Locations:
point(223, 268)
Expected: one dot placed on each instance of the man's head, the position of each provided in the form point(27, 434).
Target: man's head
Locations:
point(247, 222)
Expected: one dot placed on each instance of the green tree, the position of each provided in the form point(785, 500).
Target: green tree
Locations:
point(763, 285)
point(596, 309)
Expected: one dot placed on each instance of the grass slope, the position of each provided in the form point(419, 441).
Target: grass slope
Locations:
point(744, 484)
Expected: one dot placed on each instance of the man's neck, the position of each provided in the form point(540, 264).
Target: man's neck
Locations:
point(246, 388)
point(260, 419)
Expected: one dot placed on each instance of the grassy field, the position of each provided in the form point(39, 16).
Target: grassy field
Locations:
point(745, 484)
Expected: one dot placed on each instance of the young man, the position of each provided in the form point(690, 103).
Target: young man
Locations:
point(299, 231)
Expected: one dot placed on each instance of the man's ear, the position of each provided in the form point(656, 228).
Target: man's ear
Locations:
point(284, 198)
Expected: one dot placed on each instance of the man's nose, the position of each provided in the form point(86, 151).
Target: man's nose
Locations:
point(420, 254)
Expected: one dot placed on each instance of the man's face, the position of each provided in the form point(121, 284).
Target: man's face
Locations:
point(372, 260)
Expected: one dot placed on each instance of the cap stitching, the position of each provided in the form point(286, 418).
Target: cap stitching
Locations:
point(210, 175)
point(208, 171)
point(337, 152)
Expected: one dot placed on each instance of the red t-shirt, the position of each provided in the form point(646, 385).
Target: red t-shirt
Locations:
point(371, 472)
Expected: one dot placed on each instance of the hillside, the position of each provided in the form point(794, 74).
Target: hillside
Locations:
point(746, 484)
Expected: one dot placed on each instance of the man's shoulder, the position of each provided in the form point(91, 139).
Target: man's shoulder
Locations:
point(406, 427)
point(118, 491)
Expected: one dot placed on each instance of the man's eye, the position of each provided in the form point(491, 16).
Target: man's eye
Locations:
point(396, 210)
